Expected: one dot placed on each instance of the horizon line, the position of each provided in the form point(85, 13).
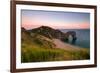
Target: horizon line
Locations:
point(55, 28)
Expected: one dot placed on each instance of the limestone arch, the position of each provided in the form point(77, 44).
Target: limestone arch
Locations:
point(73, 35)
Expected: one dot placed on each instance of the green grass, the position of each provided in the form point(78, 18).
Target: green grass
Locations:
point(33, 53)
point(38, 47)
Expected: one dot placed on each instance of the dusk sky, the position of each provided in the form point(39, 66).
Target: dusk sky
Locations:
point(58, 20)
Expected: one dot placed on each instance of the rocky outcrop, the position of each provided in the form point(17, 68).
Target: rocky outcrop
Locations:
point(73, 35)
point(54, 33)
point(49, 32)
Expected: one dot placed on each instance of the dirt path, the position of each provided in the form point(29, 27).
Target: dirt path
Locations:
point(62, 45)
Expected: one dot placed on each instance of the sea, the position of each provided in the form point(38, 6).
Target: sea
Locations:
point(83, 37)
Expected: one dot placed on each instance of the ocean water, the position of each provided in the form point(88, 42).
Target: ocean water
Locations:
point(83, 37)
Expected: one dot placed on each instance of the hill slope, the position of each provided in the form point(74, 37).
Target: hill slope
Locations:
point(49, 32)
point(45, 44)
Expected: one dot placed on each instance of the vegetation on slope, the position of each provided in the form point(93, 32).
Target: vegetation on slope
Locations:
point(32, 53)
point(36, 47)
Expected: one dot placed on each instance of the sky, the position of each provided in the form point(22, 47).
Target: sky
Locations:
point(31, 19)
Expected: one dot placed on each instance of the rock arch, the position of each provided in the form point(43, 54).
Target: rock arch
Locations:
point(73, 35)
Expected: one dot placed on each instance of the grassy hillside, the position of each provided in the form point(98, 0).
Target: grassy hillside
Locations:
point(38, 48)
point(33, 53)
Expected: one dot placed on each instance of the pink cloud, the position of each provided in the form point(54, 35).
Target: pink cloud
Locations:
point(30, 23)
